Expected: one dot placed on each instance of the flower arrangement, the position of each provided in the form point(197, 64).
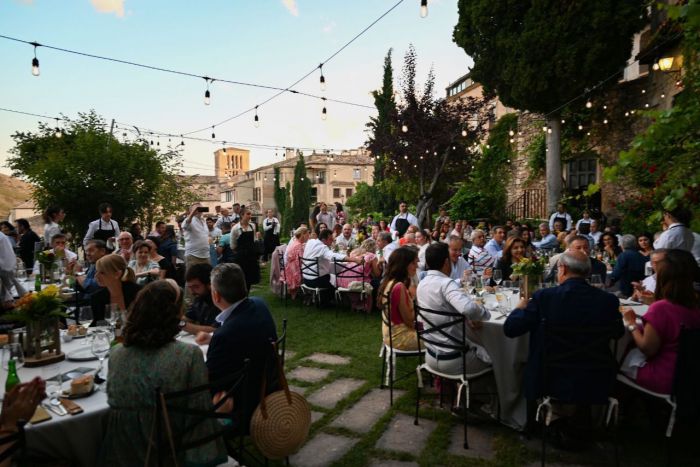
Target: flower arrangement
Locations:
point(529, 267)
point(41, 306)
point(46, 257)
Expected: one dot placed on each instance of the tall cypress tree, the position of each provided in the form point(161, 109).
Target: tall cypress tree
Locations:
point(301, 193)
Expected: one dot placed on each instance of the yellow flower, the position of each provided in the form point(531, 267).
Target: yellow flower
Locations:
point(50, 291)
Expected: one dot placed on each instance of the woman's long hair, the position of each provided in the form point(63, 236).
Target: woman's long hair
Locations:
point(507, 250)
point(675, 275)
point(154, 316)
point(397, 269)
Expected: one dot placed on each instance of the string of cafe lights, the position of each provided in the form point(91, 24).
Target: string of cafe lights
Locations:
point(210, 80)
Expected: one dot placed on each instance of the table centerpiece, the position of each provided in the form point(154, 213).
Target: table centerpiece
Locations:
point(530, 271)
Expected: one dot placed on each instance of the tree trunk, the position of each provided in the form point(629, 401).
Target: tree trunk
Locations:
point(423, 209)
point(553, 163)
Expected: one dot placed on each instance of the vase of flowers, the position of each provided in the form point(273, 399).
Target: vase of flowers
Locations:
point(530, 271)
point(40, 312)
point(48, 262)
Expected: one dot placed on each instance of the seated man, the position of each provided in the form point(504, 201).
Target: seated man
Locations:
point(345, 240)
point(124, 242)
point(246, 331)
point(201, 315)
point(94, 250)
point(478, 257)
point(629, 266)
point(58, 247)
point(458, 265)
point(577, 243)
point(645, 291)
point(548, 240)
point(436, 291)
point(573, 303)
point(321, 278)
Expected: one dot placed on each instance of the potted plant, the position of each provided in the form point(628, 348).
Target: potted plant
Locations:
point(40, 312)
point(530, 271)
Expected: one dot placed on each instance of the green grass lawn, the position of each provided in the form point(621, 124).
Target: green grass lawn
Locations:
point(358, 336)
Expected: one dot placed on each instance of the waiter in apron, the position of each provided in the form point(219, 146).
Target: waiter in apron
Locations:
point(244, 251)
point(104, 228)
point(399, 225)
point(271, 237)
point(560, 216)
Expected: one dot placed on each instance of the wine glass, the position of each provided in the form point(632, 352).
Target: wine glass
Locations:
point(100, 348)
point(111, 313)
point(479, 286)
point(12, 351)
point(85, 315)
point(596, 281)
point(51, 374)
point(497, 276)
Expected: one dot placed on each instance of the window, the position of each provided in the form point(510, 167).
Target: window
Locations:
point(355, 174)
point(321, 177)
point(348, 192)
point(336, 192)
point(582, 172)
point(257, 195)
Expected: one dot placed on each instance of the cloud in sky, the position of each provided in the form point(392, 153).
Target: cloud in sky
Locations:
point(329, 27)
point(291, 6)
point(109, 6)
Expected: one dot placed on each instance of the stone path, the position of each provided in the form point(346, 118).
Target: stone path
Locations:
point(322, 450)
point(329, 396)
point(308, 375)
point(362, 416)
point(328, 359)
point(403, 436)
point(480, 442)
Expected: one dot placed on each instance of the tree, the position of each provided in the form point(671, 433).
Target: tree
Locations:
point(287, 224)
point(437, 149)
point(301, 193)
point(539, 55)
point(87, 166)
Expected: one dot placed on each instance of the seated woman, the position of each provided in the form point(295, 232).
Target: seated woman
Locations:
point(367, 251)
point(398, 291)
point(166, 267)
point(151, 358)
point(513, 253)
point(145, 269)
point(118, 282)
point(652, 363)
point(292, 269)
point(645, 244)
point(609, 247)
point(526, 235)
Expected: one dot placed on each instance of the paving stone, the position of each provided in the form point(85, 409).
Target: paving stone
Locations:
point(391, 463)
point(322, 450)
point(316, 416)
point(329, 395)
point(328, 359)
point(402, 435)
point(289, 354)
point(308, 374)
point(297, 389)
point(480, 442)
point(362, 416)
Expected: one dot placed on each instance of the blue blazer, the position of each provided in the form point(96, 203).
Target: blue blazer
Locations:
point(573, 303)
point(246, 334)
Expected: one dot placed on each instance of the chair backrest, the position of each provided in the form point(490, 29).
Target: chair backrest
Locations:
point(431, 324)
point(309, 268)
point(283, 271)
point(282, 342)
point(349, 270)
point(581, 350)
point(14, 442)
point(686, 382)
point(169, 443)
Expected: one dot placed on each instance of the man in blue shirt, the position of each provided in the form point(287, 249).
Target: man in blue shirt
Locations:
point(494, 247)
point(548, 241)
point(94, 250)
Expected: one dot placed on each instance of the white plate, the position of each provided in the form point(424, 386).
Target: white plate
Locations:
point(83, 354)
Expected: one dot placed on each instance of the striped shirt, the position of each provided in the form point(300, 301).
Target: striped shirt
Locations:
point(480, 259)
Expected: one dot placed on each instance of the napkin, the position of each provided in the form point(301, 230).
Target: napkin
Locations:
point(40, 415)
point(71, 406)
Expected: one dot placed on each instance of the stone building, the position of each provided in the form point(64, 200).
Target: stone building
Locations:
point(230, 162)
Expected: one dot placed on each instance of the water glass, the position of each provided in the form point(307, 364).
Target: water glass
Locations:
point(12, 351)
point(111, 313)
point(51, 374)
point(100, 347)
point(497, 276)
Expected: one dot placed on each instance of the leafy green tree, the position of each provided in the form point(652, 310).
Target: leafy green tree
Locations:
point(539, 55)
point(301, 193)
point(87, 166)
point(663, 163)
point(287, 224)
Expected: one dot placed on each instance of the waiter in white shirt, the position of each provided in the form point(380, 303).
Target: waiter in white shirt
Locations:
point(103, 228)
point(677, 234)
point(562, 216)
point(402, 220)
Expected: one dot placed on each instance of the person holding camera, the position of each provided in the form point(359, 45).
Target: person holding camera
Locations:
point(196, 233)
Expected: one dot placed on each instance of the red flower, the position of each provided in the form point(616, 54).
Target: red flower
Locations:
point(652, 169)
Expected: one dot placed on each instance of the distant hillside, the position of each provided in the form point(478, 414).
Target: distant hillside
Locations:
point(13, 191)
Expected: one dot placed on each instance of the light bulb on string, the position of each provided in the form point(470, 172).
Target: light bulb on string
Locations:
point(182, 141)
point(322, 79)
point(58, 132)
point(563, 121)
point(404, 128)
point(35, 61)
point(213, 136)
point(464, 133)
point(256, 120)
point(549, 130)
point(644, 91)
point(324, 112)
point(627, 114)
point(423, 8)
point(511, 141)
point(655, 66)
point(511, 133)
point(663, 96)
point(646, 106)
point(207, 94)
point(589, 104)
point(544, 128)
point(605, 122)
point(605, 107)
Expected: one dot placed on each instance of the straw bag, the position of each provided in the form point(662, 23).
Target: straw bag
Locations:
point(280, 424)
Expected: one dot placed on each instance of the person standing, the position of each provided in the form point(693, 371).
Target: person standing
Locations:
point(325, 217)
point(28, 238)
point(196, 235)
point(561, 216)
point(677, 233)
point(271, 229)
point(8, 264)
point(52, 217)
point(104, 228)
point(243, 247)
point(400, 222)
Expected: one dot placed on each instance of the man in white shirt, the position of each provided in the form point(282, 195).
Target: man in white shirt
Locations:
point(423, 242)
point(8, 265)
point(400, 222)
point(104, 228)
point(214, 231)
point(595, 232)
point(321, 277)
point(494, 247)
point(196, 235)
point(345, 241)
point(677, 234)
point(325, 217)
point(58, 247)
point(644, 291)
point(438, 292)
point(457, 262)
point(224, 216)
point(385, 245)
point(562, 216)
point(548, 241)
point(124, 243)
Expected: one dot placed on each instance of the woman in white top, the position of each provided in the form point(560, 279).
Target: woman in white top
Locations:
point(52, 216)
point(145, 269)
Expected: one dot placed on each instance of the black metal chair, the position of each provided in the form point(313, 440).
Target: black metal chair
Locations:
point(583, 350)
point(683, 400)
point(283, 276)
point(282, 343)
point(355, 272)
point(431, 328)
point(171, 443)
point(16, 442)
point(310, 271)
point(388, 353)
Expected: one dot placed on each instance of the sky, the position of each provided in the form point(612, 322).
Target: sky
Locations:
point(268, 42)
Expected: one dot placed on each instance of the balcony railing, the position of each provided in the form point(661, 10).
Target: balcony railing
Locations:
point(532, 204)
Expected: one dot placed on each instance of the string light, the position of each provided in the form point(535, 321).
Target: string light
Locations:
point(663, 96)
point(563, 121)
point(605, 107)
point(256, 121)
point(646, 106)
point(655, 66)
point(544, 128)
point(423, 8)
point(182, 142)
point(58, 133)
point(213, 136)
point(207, 94)
point(511, 133)
point(589, 104)
point(605, 122)
point(404, 128)
point(35, 61)
point(464, 133)
point(549, 130)
point(644, 91)
point(322, 79)
point(627, 114)
point(324, 112)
